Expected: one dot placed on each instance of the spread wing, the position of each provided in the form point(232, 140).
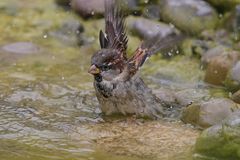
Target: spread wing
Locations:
point(150, 47)
point(115, 33)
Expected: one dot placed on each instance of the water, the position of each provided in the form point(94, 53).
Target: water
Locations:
point(48, 110)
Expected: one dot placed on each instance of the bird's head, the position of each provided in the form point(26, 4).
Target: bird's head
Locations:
point(106, 64)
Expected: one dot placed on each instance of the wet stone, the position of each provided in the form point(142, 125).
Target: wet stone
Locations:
point(70, 32)
point(224, 4)
point(88, 8)
point(191, 16)
point(212, 53)
point(236, 97)
point(233, 79)
point(206, 114)
point(146, 28)
point(188, 96)
point(95, 8)
point(152, 12)
point(21, 48)
point(219, 66)
point(235, 72)
point(63, 2)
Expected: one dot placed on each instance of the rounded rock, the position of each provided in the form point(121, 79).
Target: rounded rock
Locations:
point(191, 16)
point(206, 114)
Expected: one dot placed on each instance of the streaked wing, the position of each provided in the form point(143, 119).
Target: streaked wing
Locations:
point(115, 37)
point(150, 47)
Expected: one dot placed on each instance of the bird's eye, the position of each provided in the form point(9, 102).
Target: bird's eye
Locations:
point(105, 67)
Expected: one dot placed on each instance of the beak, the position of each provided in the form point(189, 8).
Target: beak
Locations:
point(93, 70)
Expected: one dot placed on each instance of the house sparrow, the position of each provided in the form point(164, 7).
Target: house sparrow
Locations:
point(119, 89)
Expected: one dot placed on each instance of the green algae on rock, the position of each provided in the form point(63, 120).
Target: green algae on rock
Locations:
point(224, 4)
point(221, 141)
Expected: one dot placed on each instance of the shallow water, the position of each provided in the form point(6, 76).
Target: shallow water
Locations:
point(48, 110)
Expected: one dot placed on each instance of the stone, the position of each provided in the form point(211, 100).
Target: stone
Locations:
point(236, 97)
point(219, 66)
point(152, 12)
point(206, 114)
point(191, 16)
point(221, 141)
point(233, 79)
point(235, 72)
point(212, 53)
point(146, 28)
point(86, 8)
point(95, 8)
point(224, 4)
point(188, 96)
point(21, 48)
point(69, 32)
point(63, 2)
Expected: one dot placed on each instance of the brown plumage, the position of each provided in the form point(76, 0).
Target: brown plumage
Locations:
point(118, 87)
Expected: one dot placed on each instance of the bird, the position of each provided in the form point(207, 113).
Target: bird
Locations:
point(118, 85)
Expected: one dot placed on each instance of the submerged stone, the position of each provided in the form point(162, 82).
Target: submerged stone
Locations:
point(21, 48)
point(191, 16)
point(69, 32)
point(221, 141)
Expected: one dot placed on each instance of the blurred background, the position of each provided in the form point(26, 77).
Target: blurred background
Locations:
point(48, 108)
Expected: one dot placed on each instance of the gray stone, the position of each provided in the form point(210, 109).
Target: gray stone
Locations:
point(69, 32)
point(188, 96)
point(21, 48)
point(95, 8)
point(146, 28)
point(235, 72)
point(206, 114)
point(191, 16)
point(212, 53)
point(232, 81)
point(152, 12)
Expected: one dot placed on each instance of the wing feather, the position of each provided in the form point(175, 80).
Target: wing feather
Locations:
point(115, 29)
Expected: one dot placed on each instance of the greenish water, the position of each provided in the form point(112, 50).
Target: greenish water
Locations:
point(48, 110)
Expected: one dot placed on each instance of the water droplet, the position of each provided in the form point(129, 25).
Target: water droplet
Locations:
point(45, 36)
